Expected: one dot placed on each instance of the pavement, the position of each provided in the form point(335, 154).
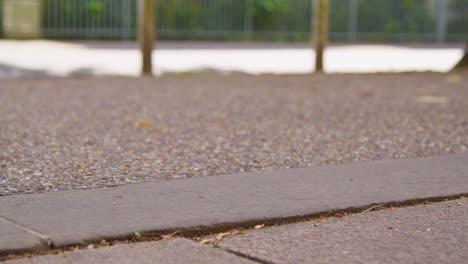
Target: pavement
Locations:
point(80, 58)
point(172, 251)
point(435, 233)
point(198, 206)
point(429, 233)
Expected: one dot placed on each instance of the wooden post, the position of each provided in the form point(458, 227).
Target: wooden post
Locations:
point(320, 25)
point(146, 34)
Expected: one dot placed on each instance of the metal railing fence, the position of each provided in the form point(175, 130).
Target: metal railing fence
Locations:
point(273, 20)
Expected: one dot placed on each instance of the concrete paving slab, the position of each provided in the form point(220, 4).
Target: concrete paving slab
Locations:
point(74, 217)
point(15, 240)
point(170, 251)
point(435, 233)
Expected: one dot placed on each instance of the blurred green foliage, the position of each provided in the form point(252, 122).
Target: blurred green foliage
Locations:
point(397, 19)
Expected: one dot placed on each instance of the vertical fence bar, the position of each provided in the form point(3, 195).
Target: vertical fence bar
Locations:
point(352, 20)
point(248, 23)
point(441, 21)
point(125, 13)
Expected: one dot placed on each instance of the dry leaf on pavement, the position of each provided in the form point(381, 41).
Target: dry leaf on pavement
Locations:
point(222, 235)
point(238, 232)
point(207, 241)
point(313, 89)
point(142, 123)
point(453, 78)
point(428, 99)
point(424, 92)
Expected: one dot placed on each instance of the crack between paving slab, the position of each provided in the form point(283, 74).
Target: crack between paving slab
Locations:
point(246, 256)
point(44, 238)
point(198, 231)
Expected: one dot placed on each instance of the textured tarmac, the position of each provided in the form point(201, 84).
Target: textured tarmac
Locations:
point(60, 134)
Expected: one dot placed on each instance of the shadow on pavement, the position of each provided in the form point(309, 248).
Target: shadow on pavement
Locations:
point(10, 71)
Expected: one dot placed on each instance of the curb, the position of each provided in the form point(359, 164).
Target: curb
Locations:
point(208, 204)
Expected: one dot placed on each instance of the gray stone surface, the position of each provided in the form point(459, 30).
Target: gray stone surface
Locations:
point(72, 217)
point(83, 133)
point(435, 233)
point(13, 239)
point(172, 251)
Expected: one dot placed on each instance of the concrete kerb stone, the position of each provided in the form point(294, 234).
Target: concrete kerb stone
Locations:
point(16, 240)
point(84, 216)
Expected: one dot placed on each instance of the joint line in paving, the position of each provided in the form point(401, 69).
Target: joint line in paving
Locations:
point(246, 256)
point(41, 236)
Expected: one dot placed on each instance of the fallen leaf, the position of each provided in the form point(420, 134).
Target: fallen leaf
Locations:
point(207, 241)
point(389, 227)
point(222, 235)
point(238, 232)
point(363, 140)
point(313, 89)
point(424, 92)
point(116, 203)
point(136, 235)
point(142, 123)
point(337, 215)
point(366, 93)
point(321, 220)
point(259, 226)
point(428, 99)
point(453, 78)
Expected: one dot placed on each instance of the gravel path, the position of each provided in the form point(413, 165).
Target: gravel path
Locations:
point(58, 134)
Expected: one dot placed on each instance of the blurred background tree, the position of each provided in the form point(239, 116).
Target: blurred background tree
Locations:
point(397, 19)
